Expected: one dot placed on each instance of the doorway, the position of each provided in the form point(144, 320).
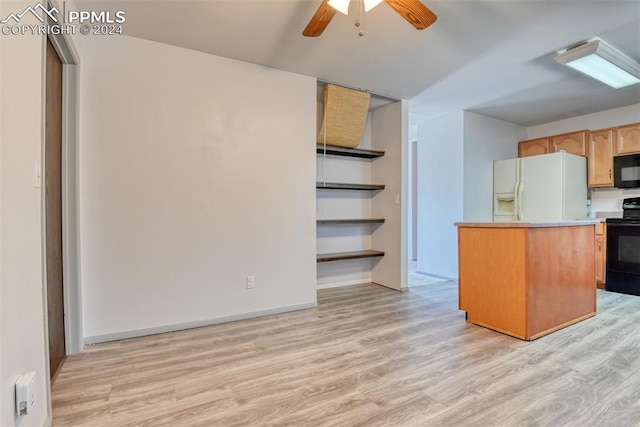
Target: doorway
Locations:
point(53, 210)
point(415, 276)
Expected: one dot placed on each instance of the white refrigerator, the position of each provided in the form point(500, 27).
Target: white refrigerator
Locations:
point(549, 187)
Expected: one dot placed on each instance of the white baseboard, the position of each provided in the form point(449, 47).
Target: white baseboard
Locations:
point(96, 339)
point(436, 275)
point(388, 287)
point(343, 284)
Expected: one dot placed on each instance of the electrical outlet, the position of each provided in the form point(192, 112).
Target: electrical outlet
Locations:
point(251, 282)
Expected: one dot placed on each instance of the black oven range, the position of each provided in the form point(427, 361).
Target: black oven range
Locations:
point(623, 249)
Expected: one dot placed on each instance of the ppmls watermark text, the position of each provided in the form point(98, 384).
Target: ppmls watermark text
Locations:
point(67, 22)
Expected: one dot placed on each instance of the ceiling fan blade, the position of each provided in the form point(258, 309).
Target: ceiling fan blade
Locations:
point(319, 20)
point(414, 12)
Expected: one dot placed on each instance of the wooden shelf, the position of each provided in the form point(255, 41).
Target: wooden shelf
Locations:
point(352, 221)
point(349, 255)
point(344, 186)
point(349, 152)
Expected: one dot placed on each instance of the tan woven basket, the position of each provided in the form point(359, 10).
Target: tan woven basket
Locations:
point(345, 116)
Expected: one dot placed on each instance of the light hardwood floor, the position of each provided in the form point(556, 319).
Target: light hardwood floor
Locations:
point(366, 356)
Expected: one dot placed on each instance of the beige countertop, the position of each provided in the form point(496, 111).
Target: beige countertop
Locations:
point(609, 214)
point(529, 224)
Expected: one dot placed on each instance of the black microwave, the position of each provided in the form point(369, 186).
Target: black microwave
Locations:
point(626, 171)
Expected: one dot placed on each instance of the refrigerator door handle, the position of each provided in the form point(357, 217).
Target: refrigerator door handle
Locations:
point(516, 203)
point(519, 208)
point(516, 200)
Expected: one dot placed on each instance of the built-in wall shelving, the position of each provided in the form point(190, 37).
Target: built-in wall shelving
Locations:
point(347, 186)
point(351, 221)
point(338, 256)
point(349, 153)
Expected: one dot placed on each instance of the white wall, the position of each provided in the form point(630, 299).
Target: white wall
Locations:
point(605, 199)
point(485, 140)
point(594, 121)
point(195, 171)
point(22, 331)
point(389, 126)
point(440, 198)
point(412, 209)
point(455, 181)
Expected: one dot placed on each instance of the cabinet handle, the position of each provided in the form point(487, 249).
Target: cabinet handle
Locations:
point(609, 173)
point(599, 245)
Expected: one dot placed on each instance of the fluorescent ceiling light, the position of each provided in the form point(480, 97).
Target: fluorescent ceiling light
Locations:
point(340, 5)
point(370, 4)
point(602, 62)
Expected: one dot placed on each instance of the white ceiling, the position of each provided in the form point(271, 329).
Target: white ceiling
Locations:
point(493, 57)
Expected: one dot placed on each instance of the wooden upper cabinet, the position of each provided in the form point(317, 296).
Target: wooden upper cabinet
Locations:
point(572, 143)
point(533, 147)
point(600, 158)
point(627, 139)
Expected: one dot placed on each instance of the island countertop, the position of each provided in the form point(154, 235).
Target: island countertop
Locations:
point(529, 224)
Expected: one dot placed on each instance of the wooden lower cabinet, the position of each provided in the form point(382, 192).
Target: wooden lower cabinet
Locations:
point(601, 254)
point(526, 280)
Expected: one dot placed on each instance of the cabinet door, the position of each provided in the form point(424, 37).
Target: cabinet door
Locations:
point(627, 139)
point(600, 158)
point(572, 143)
point(533, 147)
point(601, 253)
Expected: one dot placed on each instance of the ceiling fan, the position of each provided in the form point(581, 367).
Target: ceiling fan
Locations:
point(413, 11)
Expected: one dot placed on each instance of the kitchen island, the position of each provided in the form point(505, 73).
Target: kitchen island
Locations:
point(527, 279)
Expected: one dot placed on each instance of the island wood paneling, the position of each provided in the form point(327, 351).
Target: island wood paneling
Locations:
point(492, 282)
point(527, 281)
point(560, 277)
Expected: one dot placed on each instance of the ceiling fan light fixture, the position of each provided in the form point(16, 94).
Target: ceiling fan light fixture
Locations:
point(370, 4)
point(341, 6)
point(412, 11)
point(602, 62)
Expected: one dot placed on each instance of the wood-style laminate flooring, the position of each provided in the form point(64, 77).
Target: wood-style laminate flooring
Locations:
point(366, 356)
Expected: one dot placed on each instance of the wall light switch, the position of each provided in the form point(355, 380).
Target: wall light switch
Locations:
point(251, 282)
point(25, 393)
